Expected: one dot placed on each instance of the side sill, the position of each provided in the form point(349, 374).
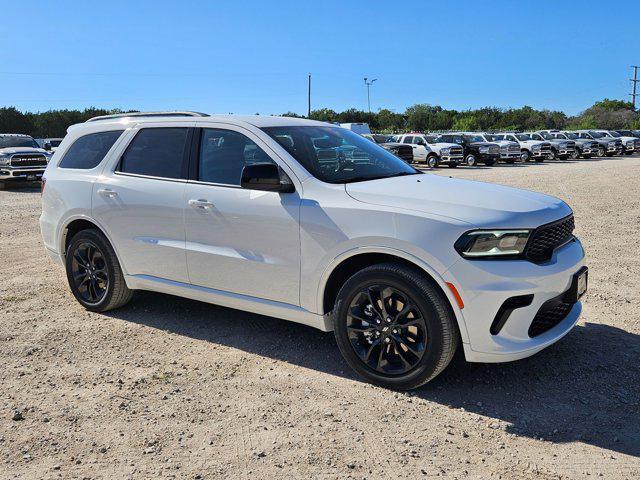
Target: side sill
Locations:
point(237, 301)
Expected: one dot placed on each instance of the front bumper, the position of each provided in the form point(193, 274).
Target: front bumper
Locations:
point(510, 156)
point(8, 172)
point(540, 153)
point(488, 156)
point(566, 151)
point(451, 158)
point(485, 285)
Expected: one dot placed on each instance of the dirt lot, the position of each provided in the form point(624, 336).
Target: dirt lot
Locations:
point(167, 387)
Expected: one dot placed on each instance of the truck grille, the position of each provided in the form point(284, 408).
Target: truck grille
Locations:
point(545, 147)
point(34, 160)
point(545, 239)
point(494, 149)
point(455, 151)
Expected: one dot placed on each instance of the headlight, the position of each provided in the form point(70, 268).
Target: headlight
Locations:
point(492, 243)
point(537, 147)
point(612, 144)
point(630, 143)
point(484, 149)
point(445, 151)
point(4, 160)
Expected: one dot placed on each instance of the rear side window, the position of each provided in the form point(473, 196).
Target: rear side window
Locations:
point(88, 151)
point(157, 152)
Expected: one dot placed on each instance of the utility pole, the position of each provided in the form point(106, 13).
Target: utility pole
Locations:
point(634, 81)
point(368, 84)
point(309, 99)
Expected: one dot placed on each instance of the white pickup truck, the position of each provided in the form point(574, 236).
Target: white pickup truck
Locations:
point(426, 149)
point(530, 148)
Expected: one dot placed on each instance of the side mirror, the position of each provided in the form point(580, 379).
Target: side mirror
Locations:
point(419, 141)
point(47, 147)
point(265, 177)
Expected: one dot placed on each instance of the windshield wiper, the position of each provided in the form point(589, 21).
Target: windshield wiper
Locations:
point(378, 177)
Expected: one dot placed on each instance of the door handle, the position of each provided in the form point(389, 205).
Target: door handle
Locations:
point(200, 203)
point(105, 192)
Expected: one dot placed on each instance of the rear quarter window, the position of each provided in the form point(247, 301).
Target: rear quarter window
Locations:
point(88, 151)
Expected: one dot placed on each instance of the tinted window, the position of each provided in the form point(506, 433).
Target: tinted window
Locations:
point(223, 155)
point(88, 151)
point(407, 140)
point(337, 155)
point(18, 141)
point(156, 152)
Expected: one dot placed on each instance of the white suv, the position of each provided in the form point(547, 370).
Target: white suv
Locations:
point(312, 223)
point(434, 153)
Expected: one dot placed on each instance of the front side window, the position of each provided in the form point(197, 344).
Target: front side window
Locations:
point(407, 140)
point(88, 151)
point(336, 155)
point(224, 153)
point(157, 152)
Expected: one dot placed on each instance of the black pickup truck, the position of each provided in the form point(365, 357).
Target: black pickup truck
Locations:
point(405, 152)
point(475, 149)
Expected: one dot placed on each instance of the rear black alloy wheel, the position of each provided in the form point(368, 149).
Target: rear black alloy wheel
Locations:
point(386, 329)
point(94, 273)
point(393, 326)
point(89, 272)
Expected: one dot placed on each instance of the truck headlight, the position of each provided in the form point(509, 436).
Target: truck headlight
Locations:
point(4, 160)
point(484, 149)
point(536, 147)
point(445, 151)
point(492, 243)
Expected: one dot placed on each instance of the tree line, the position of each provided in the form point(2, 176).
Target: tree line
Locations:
point(607, 114)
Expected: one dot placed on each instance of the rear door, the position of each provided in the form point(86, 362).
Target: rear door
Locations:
point(139, 200)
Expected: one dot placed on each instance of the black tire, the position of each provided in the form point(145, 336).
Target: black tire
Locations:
point(539, 159)
point(601, 151)
point(553, 155)
point(525, 156)
point(453, 165)
point(510, 161)
point(575, 155)
point(101, 269)
point(439, 341)
point(489, 163)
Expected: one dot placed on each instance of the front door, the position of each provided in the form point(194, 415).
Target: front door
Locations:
point(238, 240)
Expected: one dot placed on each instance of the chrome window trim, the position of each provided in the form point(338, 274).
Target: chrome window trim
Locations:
point(150, 177)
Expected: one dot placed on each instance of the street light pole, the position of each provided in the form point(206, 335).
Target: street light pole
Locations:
point(368, 84)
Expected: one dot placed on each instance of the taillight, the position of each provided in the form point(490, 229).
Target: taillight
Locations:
point(42, 184)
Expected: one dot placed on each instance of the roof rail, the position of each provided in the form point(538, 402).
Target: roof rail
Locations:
point(148, 114)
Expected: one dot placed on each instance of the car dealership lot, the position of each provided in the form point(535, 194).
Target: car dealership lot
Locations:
point(170, 387)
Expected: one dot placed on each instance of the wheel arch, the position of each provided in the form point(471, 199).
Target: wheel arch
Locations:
point(344, 266)
point(74, 225)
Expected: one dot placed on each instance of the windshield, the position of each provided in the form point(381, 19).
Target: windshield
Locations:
point(614, 134)
point(494, 138)
point(547, 135)
point(523, 136)
point(337, 155)
point(11, 141)
point(626, 133)
point(596, 134)
point(561, 136)
point(572, 136)
point(474, 138)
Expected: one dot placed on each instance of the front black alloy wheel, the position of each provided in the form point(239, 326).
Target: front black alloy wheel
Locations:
point(394, 327)
point(386, 329)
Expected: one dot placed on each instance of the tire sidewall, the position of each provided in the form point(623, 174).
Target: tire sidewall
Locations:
point(427, 365)
point(107, 252)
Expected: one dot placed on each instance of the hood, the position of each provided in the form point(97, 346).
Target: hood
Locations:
point(482, 205)
point(17, 150)
point(506, 143)
point(440, 145)
point(484, 144)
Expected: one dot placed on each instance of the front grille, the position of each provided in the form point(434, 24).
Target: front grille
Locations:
point(551, 313)
point(514, 149)
point(545, 239)
point(455, 151)
point(545, 147)
point(494, 149)
point(32, 160)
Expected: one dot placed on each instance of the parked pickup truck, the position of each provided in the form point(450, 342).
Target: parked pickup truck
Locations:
point(630, 143)
point(509, 151)
point(405, 152)
point(585, 148)
point(529, 148)
point(21, 158)
point(426, 149)
point(560, 149)
point(609, 146)
point(474, 148)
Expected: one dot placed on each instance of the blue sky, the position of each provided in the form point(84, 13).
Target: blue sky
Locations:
point(254, 56)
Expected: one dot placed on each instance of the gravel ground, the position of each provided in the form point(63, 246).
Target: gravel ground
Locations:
point(172, 388)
